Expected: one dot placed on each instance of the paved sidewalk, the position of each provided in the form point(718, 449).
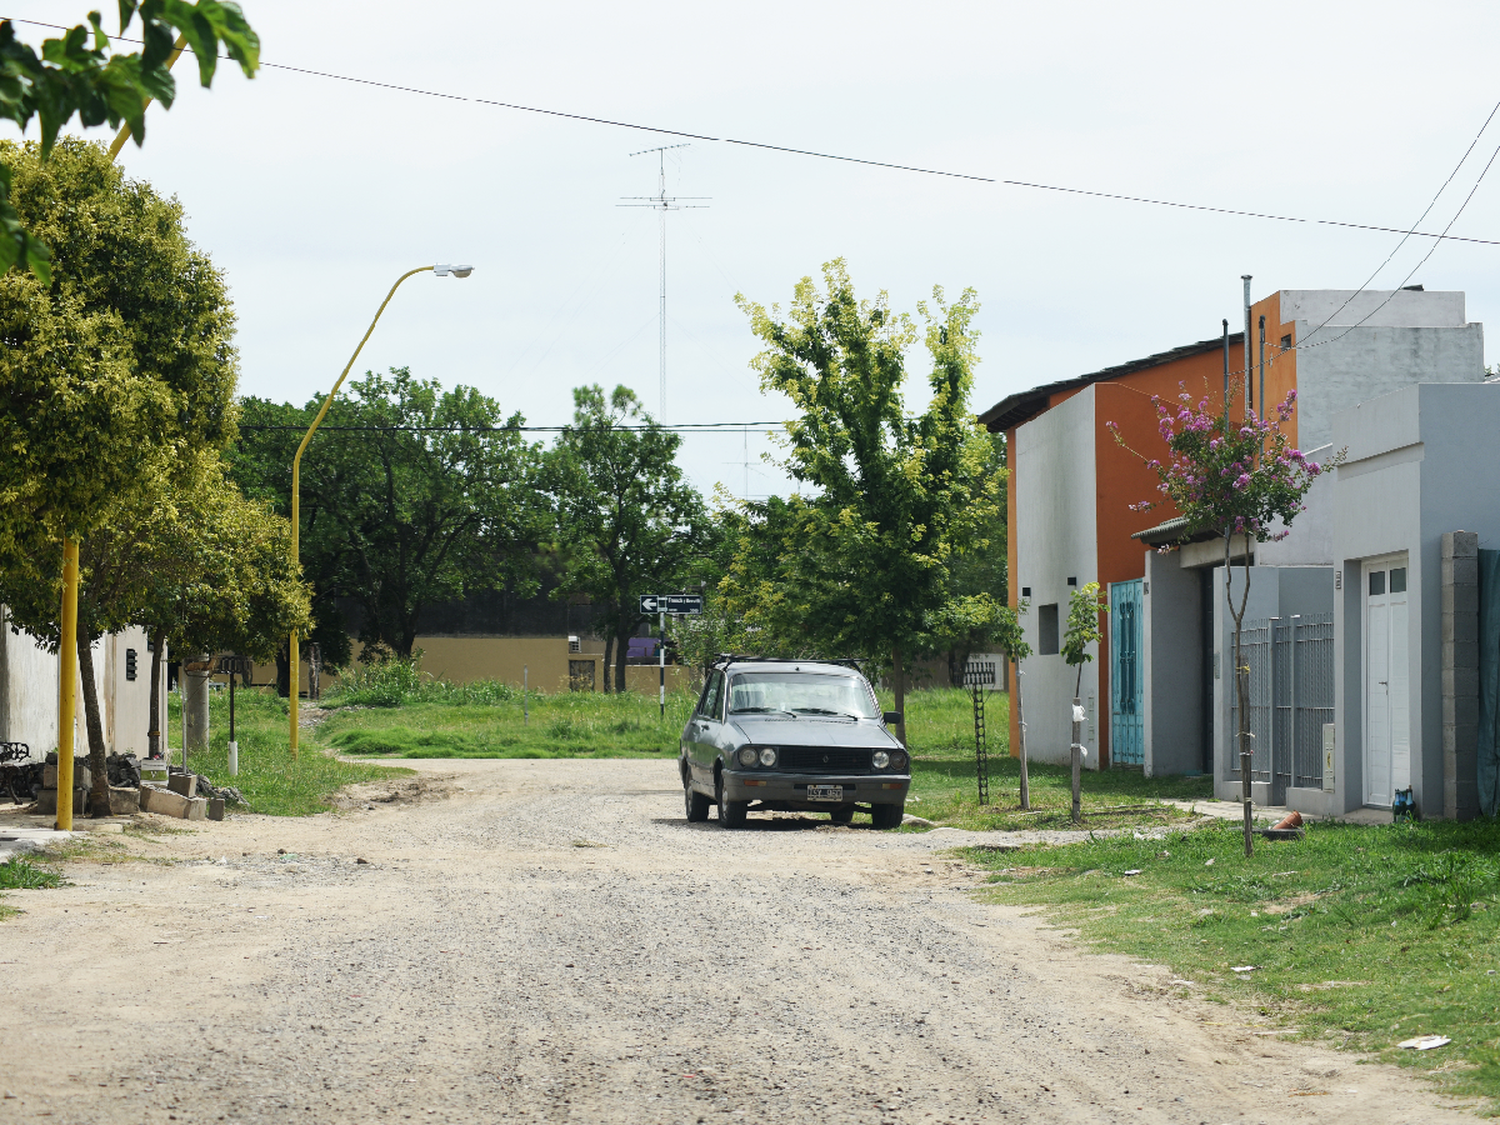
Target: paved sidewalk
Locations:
point(20, 833)
point(1269, 814)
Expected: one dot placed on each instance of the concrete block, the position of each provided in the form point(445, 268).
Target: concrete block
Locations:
point(1460, 572)
point(183, 784)
point(1461, 655)
point(1460, 682)
point(46, 802)
point(1461, 711)
point(83, 778)
point(1465, 600)
point(197, 808)
point(216, 808)
point(163, 802)
point(1460, 545)
point(1461, 628)
point(1460, 738)
point(124, 802)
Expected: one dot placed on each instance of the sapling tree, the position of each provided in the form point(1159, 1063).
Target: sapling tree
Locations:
point(1011, 640)
point(1241, 479)
point(1084, 610)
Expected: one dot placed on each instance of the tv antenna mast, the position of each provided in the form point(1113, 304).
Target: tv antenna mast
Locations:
point(662, 203)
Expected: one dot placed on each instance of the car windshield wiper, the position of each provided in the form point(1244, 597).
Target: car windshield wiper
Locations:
point(823, 711)
point(759, 711)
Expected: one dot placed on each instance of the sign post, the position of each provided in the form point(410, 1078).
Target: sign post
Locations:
point(678, 605)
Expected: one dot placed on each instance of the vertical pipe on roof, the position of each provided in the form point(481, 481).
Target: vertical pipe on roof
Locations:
point(1249, 387)
point(1262, 365)
point(1226, 365)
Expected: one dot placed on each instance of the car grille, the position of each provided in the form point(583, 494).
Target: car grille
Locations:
point(823, 759)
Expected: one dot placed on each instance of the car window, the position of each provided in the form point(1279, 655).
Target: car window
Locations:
point(708, 706)
point(813, 693)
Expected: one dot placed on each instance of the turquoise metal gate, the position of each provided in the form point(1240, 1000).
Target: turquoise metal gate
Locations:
point(1127, 723)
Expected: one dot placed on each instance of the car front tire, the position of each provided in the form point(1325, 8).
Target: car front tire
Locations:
point(887, 816)
point(731, 813)
point(695, 803)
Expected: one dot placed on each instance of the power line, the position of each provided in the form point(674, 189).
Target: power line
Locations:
point(680, 428)
point(817, 154)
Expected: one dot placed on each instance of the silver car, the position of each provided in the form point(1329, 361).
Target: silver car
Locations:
point(780, 735)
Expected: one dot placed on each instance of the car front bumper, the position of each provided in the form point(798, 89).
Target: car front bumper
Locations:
point(790, 789)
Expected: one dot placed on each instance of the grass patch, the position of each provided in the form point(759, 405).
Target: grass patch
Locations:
point(562, 725)
point(940, 732)
point(20, 874)
point(1361, 935)
point(271, 781)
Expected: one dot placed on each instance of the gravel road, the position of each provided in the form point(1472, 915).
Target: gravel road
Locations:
point(552, 942)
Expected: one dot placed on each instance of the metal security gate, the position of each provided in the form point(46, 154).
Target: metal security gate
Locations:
point(1291, 697)
point(1127, 720)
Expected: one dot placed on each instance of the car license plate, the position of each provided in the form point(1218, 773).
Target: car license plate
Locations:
point(825, 792)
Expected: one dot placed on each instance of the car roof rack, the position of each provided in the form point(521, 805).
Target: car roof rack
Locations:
point(723, 658)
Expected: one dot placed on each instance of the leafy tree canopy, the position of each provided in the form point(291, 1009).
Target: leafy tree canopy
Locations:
point(81, 73)
point(122, 366)
point(411, 495)
point(861, 563)
point(627, 522)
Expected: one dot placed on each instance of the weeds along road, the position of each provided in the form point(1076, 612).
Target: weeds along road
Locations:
point(552, 942)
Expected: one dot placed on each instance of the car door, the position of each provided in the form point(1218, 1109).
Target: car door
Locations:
point(703, 730)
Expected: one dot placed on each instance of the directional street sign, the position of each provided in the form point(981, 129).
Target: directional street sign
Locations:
point(677, 604)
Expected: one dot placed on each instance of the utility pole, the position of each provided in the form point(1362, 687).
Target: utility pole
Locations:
point(662, 203)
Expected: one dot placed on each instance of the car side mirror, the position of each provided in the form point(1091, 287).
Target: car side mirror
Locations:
point(891, 718)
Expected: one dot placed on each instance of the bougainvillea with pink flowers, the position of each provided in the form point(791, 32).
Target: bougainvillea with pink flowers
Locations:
point(1239, 478)
point(1233, 476)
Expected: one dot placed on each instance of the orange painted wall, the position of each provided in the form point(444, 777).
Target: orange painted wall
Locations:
point(1280, 363)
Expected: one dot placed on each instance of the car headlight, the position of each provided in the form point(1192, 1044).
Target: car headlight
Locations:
point(898, 760)
point(747, 756)
point(880, 759)
point(768, 757)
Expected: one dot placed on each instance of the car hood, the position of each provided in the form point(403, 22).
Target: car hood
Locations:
point(812, 730)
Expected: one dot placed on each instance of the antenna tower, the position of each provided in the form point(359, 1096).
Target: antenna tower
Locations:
point(662, 202)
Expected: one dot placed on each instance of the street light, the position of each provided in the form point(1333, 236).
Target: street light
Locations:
point(440, 270)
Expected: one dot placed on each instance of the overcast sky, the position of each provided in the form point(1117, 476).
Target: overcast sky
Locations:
point(313, 194)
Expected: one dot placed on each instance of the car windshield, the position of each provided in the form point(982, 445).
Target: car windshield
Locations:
point(802, 693)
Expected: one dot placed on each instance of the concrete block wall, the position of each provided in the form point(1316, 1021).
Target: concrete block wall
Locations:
point(1460, 665)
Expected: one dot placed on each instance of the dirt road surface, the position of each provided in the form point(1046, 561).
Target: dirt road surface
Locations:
point(552, 942)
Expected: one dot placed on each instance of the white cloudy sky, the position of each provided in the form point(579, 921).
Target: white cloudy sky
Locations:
point(313, 194)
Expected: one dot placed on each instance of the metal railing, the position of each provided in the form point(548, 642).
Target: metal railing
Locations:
point(1291, 697)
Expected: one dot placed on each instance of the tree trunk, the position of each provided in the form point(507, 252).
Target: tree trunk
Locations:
point(283, 671)
point(99, 794)
point(609, 652)
point(898, 674)
point(1077, 756)
point(622, 650)
point(194, 689)
point(153, 735)
point(1021, 731)
point(1241, 681)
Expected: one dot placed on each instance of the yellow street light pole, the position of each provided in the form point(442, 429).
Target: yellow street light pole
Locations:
point(67, 679)
point(440, 271)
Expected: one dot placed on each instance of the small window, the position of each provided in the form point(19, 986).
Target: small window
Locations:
point(130, 665)
point(1286, 343)
point(1026, 591)
point(1377, 583)
point(1398, 579)
point(1073, 580)
point(1046, 629)
point(708, 706)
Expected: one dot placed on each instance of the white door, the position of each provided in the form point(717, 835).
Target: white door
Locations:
point(1387, 704)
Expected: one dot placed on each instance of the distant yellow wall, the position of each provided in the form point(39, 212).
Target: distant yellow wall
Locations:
point(545, 663)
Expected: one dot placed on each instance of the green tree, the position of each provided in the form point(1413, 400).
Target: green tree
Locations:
point(187, 557)
point(411, 495)
point(81, 73)
point(861, 564)
point(1085, 611)
point(627, 522)
point(119, 367)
